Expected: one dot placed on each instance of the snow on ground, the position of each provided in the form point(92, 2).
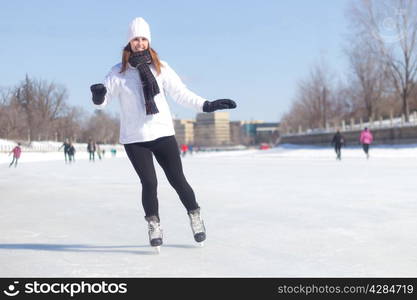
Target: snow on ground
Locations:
point(285, 212)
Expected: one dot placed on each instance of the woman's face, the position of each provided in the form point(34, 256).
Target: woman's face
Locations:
point(139, 44)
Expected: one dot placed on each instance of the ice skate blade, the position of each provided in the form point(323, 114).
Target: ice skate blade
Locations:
point(157, 249)
point(201, 244)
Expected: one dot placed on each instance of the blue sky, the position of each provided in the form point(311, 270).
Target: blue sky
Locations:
point(254, 52)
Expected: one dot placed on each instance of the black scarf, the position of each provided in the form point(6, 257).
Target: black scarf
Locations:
point(141, 61)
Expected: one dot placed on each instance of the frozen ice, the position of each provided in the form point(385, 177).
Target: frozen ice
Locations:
point(286, 212)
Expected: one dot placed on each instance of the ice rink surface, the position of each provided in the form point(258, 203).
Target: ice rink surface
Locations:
point(286, 212)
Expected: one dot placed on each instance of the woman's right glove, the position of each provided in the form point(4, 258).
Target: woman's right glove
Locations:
point(210, 106)
point(99, 91)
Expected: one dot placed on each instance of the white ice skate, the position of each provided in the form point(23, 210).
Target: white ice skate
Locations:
point(155, 232)
point(197, 226)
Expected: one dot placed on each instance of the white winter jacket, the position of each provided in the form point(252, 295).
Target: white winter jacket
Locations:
point(135, 125)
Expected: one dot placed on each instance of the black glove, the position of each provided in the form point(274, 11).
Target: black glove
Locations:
point(210, 106)
point(99, 91)
point(139, 58)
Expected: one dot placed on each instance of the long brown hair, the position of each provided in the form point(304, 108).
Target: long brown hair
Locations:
point(127, 51)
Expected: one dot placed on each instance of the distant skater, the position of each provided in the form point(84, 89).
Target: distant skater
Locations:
point(98, 150)
point(71, 153)
point(366, 140)
point(16, 155)
point(184, 149)
point(338, 141)
point(91, 148)
point(66, 146)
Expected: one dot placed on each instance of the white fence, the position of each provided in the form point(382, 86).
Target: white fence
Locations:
point(353, 125)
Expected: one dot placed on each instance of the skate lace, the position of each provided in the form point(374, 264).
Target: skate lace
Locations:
point(197, 223)
point(155, 230)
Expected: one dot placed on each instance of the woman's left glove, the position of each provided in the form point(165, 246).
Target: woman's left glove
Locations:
point(210, 106)
point(99, 91)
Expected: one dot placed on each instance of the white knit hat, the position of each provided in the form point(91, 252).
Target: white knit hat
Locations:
point(138, 28)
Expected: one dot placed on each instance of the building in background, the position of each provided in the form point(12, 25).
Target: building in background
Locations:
point(258, 132)
point(215, 130)
point(267, 133)
point(249, 132)
point(237, 134)
point(184, 131)
point(212, 129)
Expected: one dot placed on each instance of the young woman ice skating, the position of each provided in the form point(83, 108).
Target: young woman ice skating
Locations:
point(140, 82)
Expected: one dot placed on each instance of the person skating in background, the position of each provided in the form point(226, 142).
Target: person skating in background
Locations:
point(366, 140)
point(338, 141)
point(184, 149)
point(71, 153)
point(98, 150)
point(140, 82)
point(91, 149)
point(66, 146)
point(16, 155)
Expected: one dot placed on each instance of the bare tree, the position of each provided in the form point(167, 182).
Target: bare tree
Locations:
point(342, 105)
point(102, 128)
point(37, 109)
point(390, 28)
point(413, 104)
point(43, 103)
point(315, 95)
point(368, 80)
point(314, 104)
point(71, 124)
point(12, 121)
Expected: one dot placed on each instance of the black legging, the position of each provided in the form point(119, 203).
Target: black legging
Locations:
point(91, 155)
point(365, 148)
point(338, 150)
point(167, 154)
point(15, 159)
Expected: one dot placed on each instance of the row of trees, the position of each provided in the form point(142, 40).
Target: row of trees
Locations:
point(38, 110)
point(382, 76)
